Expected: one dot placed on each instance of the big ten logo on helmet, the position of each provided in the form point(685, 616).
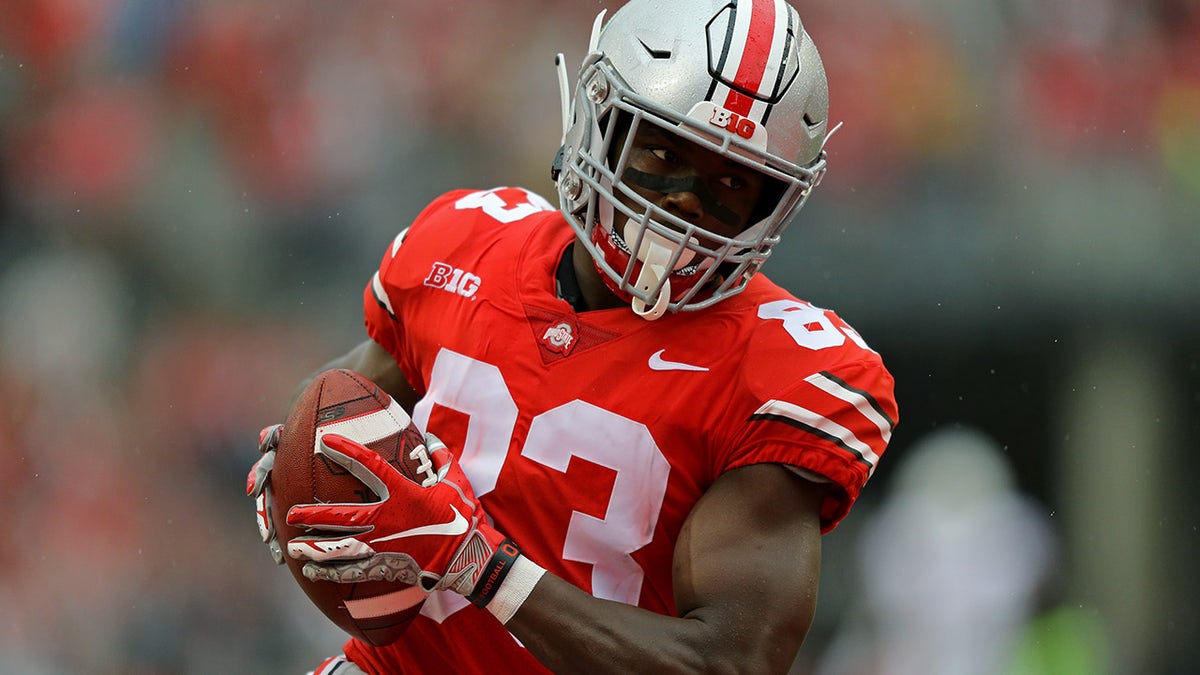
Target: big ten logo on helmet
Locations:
point(733, 122)
point(452, 280)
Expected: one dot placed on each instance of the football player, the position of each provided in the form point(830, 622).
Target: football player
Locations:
point(653, 435)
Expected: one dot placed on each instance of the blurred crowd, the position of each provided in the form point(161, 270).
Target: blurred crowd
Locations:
point(193, 193)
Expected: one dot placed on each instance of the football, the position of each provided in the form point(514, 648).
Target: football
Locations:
point(348, 404)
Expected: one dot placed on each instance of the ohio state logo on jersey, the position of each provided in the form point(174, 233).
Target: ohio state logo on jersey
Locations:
point(559, 337)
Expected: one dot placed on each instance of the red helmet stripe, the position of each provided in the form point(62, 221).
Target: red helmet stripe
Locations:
point(755, 57)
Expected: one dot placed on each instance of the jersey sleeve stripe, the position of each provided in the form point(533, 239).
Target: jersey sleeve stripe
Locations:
point(381, 295)
point(861, 400)
point(336, 665)
point(398, 240)
point(807, 420)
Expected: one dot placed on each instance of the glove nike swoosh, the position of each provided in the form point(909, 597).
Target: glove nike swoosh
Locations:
point(453, 527)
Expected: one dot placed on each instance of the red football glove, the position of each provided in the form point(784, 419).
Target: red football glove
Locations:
point(258, 487)
point(434, 535)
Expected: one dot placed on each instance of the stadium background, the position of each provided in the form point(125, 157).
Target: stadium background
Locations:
point(193, 193)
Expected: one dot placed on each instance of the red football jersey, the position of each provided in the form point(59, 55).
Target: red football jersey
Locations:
point(589, 437)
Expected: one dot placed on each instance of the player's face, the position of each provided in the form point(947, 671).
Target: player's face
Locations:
point(691, 182)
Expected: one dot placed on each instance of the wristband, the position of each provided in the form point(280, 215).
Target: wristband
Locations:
point(494, 571)
point(522, 576)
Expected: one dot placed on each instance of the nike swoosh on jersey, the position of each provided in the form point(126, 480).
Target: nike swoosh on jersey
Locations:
point(657, 362)
point(455, 526)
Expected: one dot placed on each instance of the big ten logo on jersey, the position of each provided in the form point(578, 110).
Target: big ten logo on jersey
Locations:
point(452, 280)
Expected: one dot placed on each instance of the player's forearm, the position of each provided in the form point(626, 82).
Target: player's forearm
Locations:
point(373, 362)
point(746, 570)
point(572, 632)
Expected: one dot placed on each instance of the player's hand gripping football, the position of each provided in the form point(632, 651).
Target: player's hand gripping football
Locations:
point(434, 534)
point(258, 488)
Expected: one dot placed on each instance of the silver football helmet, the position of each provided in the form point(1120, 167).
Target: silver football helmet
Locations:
point(741, 78)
